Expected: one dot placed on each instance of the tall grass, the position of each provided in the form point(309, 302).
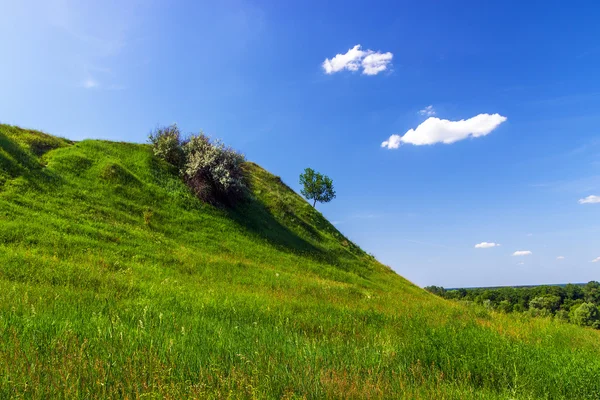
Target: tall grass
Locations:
point(116, 282)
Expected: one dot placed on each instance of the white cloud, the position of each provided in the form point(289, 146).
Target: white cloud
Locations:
point(435, 130)
point(596, 259)
point(370, 61)
point(521, 263)
point(590, 200)
point(522, 253)
point(486, 245)
point(90, 83)
point(376, 62)
point(349, 61)
point(560, 257)
point(393, 142)
point(428, 111)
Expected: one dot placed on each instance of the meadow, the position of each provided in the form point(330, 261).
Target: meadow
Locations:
point(117, 282)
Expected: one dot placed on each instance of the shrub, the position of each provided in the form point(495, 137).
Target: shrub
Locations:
point(539, 312)
point(488, 304)
point(166, 143)
point(505, 306)
point(518, 307)
point(562, 315)
point(212, 170)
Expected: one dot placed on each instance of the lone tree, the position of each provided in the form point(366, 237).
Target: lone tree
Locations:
point(316, 186)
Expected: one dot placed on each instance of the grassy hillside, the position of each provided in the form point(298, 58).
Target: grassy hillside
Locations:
point(116, 282)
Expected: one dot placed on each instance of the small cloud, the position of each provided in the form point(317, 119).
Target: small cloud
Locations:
point(590, 200)
point(529, 234)
point(90, 83)
point(596, 259)
point(521, 263)
point(434, 130)
point(560, 257)
point(428, 111)
point(486, 245)
point(522, 253)
point(354, 59)
point(393, 142)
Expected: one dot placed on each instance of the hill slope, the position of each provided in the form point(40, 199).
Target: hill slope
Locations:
point(116, 282)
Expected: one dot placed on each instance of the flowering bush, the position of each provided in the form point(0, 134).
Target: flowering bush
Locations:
point(211, 169)
point(166, 143)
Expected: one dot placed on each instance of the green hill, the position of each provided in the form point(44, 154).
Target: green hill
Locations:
point(116, 282)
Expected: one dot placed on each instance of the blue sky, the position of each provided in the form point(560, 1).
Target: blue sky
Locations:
point(264, 77)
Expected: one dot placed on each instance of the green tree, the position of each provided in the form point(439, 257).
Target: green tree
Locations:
point(548, 302)
point(592, 292)
point(586, 314)
point(573, 292)
point(437, 290)
point(569, 304)
point(316, 187)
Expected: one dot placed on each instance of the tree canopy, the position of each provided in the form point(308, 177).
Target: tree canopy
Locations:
point(579, 304)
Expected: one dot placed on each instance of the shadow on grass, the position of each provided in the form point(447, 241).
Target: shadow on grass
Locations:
point(18, 163)
point(256, 218)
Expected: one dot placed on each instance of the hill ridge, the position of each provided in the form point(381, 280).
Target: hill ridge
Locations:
point(115, 281)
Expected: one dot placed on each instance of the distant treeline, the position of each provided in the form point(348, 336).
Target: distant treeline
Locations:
point(578, 304)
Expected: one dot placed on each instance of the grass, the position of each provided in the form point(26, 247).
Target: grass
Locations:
point(115, 282)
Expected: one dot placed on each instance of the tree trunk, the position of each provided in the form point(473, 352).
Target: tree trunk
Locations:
point(315, 204)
